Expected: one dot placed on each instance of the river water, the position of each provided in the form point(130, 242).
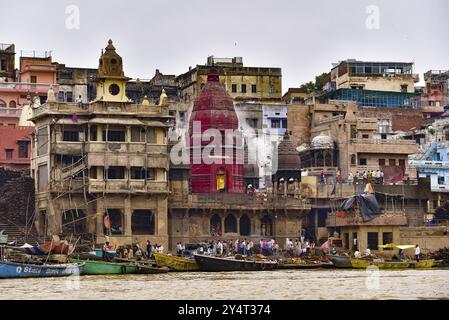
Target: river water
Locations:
point(280, 284)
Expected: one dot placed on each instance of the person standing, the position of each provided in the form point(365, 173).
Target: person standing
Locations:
point(417, 252)
point(79, 101)
point(149, 249)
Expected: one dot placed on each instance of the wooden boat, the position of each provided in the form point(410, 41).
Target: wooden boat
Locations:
point(148, 269)
point(175, 263)
point(25, 270)
point(340, 261)
point(93, 267)
point(391, 264)
point(56, 248)
point(211, 263)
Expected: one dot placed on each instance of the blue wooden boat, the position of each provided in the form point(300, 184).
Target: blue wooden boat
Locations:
point(25, 270)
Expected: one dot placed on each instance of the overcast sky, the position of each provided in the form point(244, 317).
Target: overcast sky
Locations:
point(301, 37)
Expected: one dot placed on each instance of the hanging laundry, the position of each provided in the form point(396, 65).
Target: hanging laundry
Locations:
point(74, 117)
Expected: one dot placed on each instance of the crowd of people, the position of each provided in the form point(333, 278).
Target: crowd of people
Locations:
point(362, 177)
point(135, 252)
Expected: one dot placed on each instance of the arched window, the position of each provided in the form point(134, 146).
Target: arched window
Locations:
point(215, 225)
point(142, 222)
point(113, 222)
point(74, 222)
point(2, 104)
point(12, 104)
point(266, 226)
point(230, 224)
point(245, 225)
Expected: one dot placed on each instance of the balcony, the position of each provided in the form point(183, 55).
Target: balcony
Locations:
point(128, 186)
point(355, 219)
point(67, 147)
point(385, 146)
point(256, 201)
point(10, 112)
point(24, 87)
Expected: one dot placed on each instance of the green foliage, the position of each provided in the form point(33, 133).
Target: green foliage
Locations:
point(314, 86)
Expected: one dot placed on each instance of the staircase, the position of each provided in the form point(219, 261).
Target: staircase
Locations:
point(17, 234)
point(73, 169)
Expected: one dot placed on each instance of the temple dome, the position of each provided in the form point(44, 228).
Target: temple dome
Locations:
point(288, 156)
point(322, 141)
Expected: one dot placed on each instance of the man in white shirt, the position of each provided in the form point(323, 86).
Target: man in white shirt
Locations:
point(417, 252)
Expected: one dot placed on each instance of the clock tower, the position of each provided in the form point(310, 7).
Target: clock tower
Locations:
point(111, 81)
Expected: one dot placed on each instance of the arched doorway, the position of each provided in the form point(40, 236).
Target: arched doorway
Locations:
point(230, 224)
point(245, 225)
point(142, 222)
point(266, 226)
point(215, 225)
point(113, 222)
point(74, 222)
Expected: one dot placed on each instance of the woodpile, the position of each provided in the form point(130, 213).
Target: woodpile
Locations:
point(16, 197)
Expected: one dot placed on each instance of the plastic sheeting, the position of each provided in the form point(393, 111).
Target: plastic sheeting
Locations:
point(368, 205)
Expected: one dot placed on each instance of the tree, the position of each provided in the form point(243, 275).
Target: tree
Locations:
point(315, 86)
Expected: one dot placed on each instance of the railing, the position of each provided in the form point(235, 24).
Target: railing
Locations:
point(428, 163)
point(4, 46)
point(35, 54)
point(14, 112)
point(384, 141)
point(27, 87)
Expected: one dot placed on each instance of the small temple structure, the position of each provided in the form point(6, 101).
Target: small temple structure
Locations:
point(215, 164)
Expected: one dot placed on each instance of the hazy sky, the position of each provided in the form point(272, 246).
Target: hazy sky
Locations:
point(301, 37)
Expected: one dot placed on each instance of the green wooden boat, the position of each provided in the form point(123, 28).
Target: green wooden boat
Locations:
point(101, 267)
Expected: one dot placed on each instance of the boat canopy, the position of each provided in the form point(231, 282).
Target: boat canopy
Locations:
point(399, 246)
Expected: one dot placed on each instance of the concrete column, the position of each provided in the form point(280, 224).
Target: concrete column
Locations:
point(128, 134)
point(99, 132)
point(127, 216)
point(99, 219)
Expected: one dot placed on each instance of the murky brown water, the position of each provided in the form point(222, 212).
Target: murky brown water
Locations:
point(279, 284)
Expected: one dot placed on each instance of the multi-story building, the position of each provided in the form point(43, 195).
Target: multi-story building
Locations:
point(15, 147)
point(75, 82)
point(102, 170)
point(374, 84)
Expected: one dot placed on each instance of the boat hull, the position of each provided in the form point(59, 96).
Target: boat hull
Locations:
point(365, 263)
point(216, 264)
point(145, 269)
point(340, 261)
point(175, 263)
point(24, 270)
point(93, 267)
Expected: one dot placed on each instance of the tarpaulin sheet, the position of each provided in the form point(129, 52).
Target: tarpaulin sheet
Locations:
point(368, 205)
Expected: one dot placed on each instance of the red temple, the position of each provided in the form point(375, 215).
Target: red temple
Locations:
point(214, 109)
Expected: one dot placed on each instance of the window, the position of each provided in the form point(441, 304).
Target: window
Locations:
point(138, 173)
point(345, 240)
point(383, 136)
point(143, 222)
point(402, 163)
point(404, 88)
point(392, 162)
point(230, 225)
point(387, 238)
point(182, 116)
point(353, 159)
point(12, 104)
point(373, 240)
point(275, 123)
point(71, 136)
point(381, 162)
point(68, 96)
point(243, 88)
point(362, 161)
point(9, 154)
point(23, 149)
point(3, 65)
point(253, 88)
point(252, 122)
point(234, 88)
point(284, 123)
point(440, 180)
point(365, 136)
point(61, 96)
point(271, 89)
point(114, 135)
point(33, 79)
point(116, 173)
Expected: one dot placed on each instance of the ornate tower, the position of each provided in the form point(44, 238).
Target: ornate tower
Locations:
point(111, 81)
point(222, 169)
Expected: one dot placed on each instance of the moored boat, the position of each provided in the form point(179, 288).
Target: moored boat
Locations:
point(25, 270)
point(93, 267)
point(175, 263)
point(211, 263)
point(391, 264)
point(147, 269)
point(340, 261)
